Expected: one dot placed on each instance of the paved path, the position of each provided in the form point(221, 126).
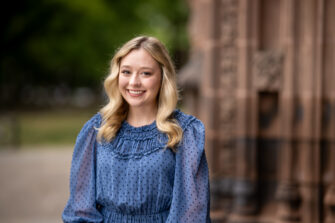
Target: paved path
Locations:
point(34, 185)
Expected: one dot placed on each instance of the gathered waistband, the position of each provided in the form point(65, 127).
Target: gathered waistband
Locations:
point(111, 216)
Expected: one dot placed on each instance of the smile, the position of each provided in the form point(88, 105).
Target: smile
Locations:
point(135, 92)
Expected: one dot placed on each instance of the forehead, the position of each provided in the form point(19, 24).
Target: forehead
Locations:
point(139, 58)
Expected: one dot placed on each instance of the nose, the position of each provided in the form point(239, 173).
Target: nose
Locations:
point(134, 80)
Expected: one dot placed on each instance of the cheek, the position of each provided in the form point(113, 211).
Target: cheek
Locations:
point(121, 82)
point(155, 85)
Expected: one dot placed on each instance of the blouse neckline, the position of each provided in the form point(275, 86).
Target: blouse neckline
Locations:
point(135, 142)
point(146, 132)
point(144, 128)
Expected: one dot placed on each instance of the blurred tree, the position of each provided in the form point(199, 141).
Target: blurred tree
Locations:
point(60, 42)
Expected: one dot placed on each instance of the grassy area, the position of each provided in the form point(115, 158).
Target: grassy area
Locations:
point(55, 127)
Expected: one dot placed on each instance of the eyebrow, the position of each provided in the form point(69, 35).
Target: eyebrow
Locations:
point(127, 66)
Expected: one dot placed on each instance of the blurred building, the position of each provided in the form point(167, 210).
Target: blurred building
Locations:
point(261, 76)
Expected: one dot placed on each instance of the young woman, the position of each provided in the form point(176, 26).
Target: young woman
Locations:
point(139, 160)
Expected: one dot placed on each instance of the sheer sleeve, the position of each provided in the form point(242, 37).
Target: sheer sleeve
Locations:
point(81, 206)
point(190, 201)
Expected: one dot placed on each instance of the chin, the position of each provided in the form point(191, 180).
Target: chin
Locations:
point(135, 104)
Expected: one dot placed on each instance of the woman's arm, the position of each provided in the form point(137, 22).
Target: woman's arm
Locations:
point(81, 206)
point(190, 201)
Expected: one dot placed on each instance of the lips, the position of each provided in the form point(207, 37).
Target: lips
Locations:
point(135, 93)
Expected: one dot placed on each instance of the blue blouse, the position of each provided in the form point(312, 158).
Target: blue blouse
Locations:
point(134, 179)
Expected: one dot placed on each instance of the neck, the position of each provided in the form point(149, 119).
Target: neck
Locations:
point(141, 116)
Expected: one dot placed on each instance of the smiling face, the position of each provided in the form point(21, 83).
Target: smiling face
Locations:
point(139, 79)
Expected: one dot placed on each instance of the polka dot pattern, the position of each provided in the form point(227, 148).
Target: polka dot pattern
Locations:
point(134, 179)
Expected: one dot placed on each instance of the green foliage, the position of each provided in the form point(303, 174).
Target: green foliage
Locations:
point(51, 42)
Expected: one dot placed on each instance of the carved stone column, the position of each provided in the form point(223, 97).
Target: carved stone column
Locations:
point(225, 64)
point(217, 103)
point(309, 84)
point(245, 186)
point(328, 129)
point(288, 194)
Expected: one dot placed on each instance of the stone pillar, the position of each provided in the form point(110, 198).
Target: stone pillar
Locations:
point(288, 191)
point(309, 83)
point(328, 127)
point(245, 185)
point(226, 68)
point(217, 107)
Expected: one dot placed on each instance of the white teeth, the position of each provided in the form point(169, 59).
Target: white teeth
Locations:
point(135, 92)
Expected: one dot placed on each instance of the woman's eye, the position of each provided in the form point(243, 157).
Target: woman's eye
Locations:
point(146, 73)
point(125, 72)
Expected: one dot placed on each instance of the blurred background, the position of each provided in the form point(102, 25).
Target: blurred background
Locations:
point(259, 74)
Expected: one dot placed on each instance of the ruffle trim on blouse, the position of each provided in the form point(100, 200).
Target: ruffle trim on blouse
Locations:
point(142, 133)
point(129, 152)
point(135, 142)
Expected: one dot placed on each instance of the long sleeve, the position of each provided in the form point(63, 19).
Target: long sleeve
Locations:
point(81, 206)
point(190, 201)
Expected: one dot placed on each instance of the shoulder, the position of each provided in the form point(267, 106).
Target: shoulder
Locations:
point(188, 122)
point(193, 141)
point(89, 129)
point(93, 123)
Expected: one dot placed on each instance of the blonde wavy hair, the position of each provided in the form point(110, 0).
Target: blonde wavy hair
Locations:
point(116, 109)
